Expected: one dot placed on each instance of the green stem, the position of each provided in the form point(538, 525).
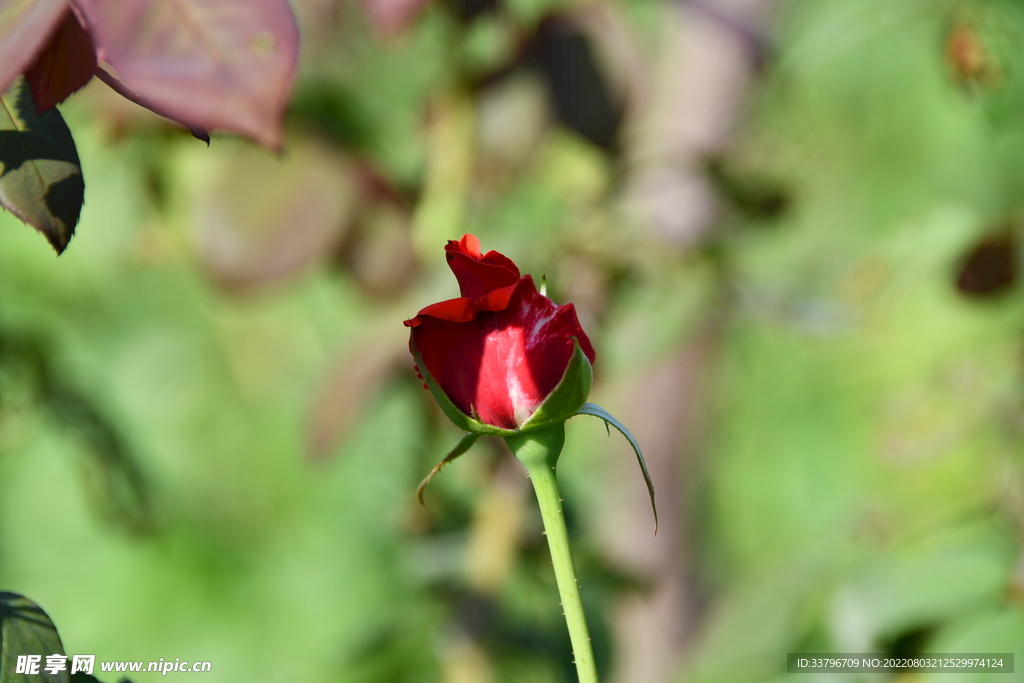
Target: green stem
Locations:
point(539, 451)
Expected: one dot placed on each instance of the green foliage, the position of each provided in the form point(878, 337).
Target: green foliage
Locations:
point(26, 630)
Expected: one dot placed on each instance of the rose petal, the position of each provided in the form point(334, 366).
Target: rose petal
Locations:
point(499, 366)
point(464, 309)
point(469, 243)
point(479, 274)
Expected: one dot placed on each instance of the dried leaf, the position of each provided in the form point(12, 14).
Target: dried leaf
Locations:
point(207, 65)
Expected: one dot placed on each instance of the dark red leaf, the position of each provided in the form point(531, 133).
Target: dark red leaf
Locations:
point(24, 27)
point(66, 63)
point(208, 65)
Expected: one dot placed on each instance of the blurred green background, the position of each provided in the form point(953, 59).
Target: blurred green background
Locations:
point(791, 229)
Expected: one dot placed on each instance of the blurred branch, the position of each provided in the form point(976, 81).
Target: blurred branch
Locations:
point(119, 489)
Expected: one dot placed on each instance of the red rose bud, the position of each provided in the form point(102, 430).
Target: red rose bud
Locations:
point(501, 358)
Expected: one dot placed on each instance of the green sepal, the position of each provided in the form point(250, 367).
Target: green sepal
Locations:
point(461, 420)
point(464, 445)
point(569, 396)
point(565, 400)
point(598, 411)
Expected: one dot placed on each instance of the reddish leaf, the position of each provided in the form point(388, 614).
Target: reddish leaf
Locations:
point(66, 64)
point(258, 218)
point(24, 27)
point(227, 64)
point(351, 387)
point(391, 16)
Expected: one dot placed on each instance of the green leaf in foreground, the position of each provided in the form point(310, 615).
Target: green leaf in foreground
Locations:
point(40, 176)
point(26, 630)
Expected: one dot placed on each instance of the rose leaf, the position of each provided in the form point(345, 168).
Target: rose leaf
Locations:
point(26, 630)
point(610, 421)
point(40, 176)
point(25, 26)
point(207, 65)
